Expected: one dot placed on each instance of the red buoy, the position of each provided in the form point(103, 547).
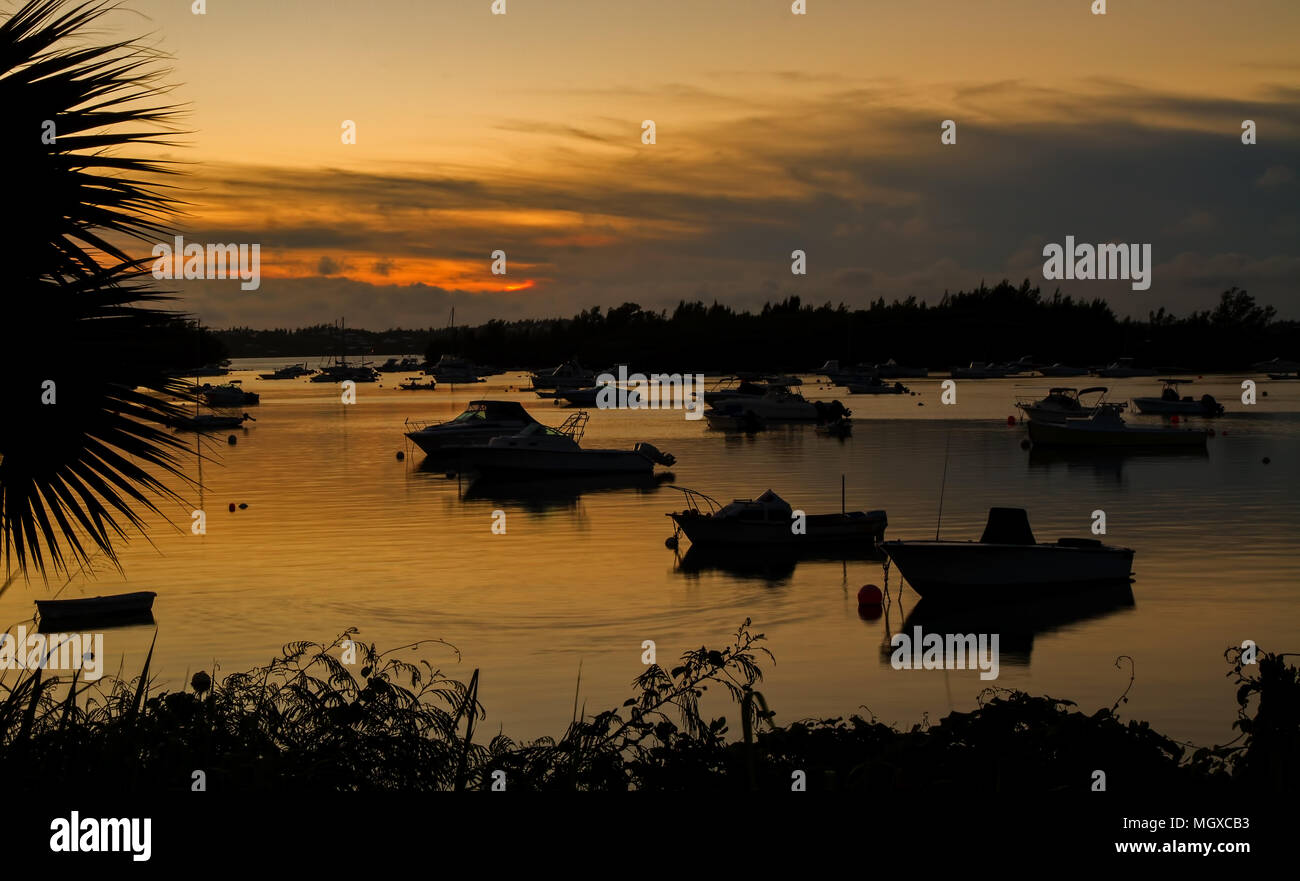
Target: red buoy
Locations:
point(232, 506)
point(1174, 419)
point(1011, 420)
point(870, 595)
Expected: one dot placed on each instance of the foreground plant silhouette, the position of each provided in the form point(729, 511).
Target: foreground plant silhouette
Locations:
point(310, 722)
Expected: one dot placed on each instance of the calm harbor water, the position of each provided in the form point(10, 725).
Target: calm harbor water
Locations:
point(338, 532)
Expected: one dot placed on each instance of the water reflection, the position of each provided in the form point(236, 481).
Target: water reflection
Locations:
point(1017, 624)
point(773, 564)
point(541, 494)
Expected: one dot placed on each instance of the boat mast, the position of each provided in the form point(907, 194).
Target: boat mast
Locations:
point(944, 485)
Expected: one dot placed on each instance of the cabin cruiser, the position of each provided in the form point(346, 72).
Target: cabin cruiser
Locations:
point(769, 520)
point(229, 395)
point(1105, 428)
point(1124, 369)
point(1062, 403)
point(777, 403)
point(292, 371)
point(569, 375)
point(343, 372)
point(1170, 404)
point(454, 370)
point(481, 421)
point(408, 364)
point(981, 370)
point(733, 387)
point(877, 386)
point(1059, 369)
point(541, 449)
point(1006, 556)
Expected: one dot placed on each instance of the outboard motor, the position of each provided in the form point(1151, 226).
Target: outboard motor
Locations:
point(829, 412)
point(651, 452)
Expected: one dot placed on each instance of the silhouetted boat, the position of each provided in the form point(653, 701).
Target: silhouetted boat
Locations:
point(454, 370)
point(405, 365)
point(231, 394)
point(569, 375)
point(209, 421)
point(1059, 369)
point(1006, 556)
point(1062, 403)
point(877, 386)
point(540, 449)
point(1170, 404)
point(1106, 428)
point(479, 423)
point(769, 520)
point(95, 610)
point(1124, 369)
point(292, 371)
point(414, 385)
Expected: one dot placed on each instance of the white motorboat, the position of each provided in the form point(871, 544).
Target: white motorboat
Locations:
point(1006, 556)
point(1170, 404)
point(481, 421)
point(541, 449)
point(769, 520)
point(1104, 427)
point(1062, 403)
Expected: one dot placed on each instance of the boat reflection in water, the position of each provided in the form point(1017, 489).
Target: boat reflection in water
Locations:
point(540, 493)
point(1106, 463)
point(1040, 612)
point(773, 564)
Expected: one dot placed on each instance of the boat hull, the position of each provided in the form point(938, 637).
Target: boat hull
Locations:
point(865, 528)
point(942, 570)
point(124, 608)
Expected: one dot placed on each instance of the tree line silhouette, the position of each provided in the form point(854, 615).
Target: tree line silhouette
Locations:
point(993, 324)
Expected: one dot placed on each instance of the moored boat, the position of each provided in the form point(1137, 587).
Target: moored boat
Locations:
point(231, 394)
point(1124, 369)
point(291, 371)
point(769, 520)
point(569, 375)
point(1170, 404)
point(1105, 428)
point(1006, 556)
point(1062, 403)
point(541, 449)
point(479, 423)
point(122, 607)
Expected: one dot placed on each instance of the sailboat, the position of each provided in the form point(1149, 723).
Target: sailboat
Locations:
point(341, 370)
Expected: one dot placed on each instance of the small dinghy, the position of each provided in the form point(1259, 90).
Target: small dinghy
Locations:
point(121, 608)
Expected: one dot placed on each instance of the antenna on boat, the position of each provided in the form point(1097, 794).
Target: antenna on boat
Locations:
point(944, 485)
point(841, 495)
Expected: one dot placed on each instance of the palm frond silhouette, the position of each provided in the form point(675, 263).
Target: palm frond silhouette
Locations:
point(84, 341)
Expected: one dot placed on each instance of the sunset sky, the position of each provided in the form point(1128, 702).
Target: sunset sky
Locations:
point(775, 132)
